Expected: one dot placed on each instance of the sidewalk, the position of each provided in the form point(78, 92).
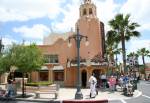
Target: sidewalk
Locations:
point(69, 94)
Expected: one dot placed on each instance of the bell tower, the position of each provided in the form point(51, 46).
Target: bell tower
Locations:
point(87, 1)
point(88, 9)
point(90, 26)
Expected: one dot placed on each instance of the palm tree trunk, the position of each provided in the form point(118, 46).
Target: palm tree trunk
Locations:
point(144, 66)
point(123, 52)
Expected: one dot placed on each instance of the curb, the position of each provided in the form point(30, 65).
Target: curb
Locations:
point(85, 101)
point(29, 100)
point(139, 94)
point(54, 101)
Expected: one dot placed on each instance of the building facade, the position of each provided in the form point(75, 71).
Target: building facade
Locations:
point(61, 60)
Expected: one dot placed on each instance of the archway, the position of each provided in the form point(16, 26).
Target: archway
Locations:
point(84, 78)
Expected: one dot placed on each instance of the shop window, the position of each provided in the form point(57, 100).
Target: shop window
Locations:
point(58, 76)
point(43, 75)
point(51, 58)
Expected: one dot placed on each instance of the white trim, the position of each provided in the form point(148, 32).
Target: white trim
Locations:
point(123, 101)
point(60, 67)
point(44, 68)
point(146, 96)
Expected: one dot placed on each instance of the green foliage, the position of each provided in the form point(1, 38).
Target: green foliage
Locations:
point(5, 63)
point(123, 30)
point(25, 58)
point(131, 54)
point(28, 58)
point(43, 83)
point(143, 52)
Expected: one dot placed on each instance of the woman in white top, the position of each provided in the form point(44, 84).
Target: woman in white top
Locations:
point(93, 82)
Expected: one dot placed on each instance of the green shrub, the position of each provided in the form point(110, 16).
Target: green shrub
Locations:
point(43, 83)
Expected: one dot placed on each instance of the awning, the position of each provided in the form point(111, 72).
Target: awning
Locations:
point(44, 68)
point(58, 67)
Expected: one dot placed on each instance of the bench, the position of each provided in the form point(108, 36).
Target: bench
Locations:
point(52, 89)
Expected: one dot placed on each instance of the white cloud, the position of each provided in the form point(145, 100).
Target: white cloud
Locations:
point(22, 10)
point(105, 12)
point(71, 14)
point(36, 32)
point(140, 12)
point(8, 40)
point(138, 44)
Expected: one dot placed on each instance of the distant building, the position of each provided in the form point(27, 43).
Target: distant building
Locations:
point(61, 61)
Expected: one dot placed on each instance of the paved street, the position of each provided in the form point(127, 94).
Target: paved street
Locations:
point(144, 86)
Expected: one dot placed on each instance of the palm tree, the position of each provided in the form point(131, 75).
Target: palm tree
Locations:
point(124, 29)
point(112, 46)
point(116, 52)
point(143, 52)
point(132, 54)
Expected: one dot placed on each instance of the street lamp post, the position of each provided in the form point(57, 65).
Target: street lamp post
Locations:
point(77, 37)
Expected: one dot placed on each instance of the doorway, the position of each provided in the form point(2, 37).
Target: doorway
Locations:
point(84, 78)
point(43, 75)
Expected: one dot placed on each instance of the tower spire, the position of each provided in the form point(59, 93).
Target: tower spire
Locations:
point(87, 1)
point(88, 9)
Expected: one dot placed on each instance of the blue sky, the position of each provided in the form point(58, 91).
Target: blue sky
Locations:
point(31, 20)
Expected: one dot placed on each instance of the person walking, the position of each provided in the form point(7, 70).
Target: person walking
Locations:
point(9, 89)
point(121, 82)
point(93, 82)
point(112, 83)
point(103, 78)
point(14, 87)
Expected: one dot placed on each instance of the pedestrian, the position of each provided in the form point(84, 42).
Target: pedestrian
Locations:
point(129, 87)
point(121, 82)
point(93, 82)
point(103, 78)
point(125, 80)
point(14, 87)
point(112, 83)
point(10, 90)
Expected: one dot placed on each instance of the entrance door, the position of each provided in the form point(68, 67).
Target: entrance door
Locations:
point(43, 75)
point(84, 78)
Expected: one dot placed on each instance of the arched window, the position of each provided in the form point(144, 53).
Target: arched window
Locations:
point(90, 11)
point(84, 11)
